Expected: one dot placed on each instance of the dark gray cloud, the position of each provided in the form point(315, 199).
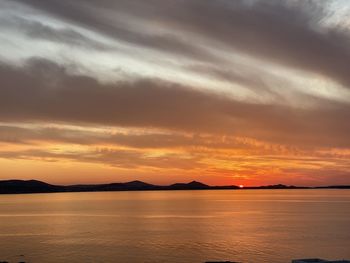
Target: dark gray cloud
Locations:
point(285, 32)
point(94, 17)
point(42, 91)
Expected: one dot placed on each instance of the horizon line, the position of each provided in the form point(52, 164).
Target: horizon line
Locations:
point(240, 186)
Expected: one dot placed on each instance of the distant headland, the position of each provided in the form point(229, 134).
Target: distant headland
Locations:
point(35, 186)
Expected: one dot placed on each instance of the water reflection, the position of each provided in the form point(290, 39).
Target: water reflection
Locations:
point(176, 226)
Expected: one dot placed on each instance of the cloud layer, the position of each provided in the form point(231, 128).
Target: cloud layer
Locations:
point(220, 88)
point(43, 91)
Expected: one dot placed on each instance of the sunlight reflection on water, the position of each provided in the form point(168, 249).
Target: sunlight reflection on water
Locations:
point(176, 226)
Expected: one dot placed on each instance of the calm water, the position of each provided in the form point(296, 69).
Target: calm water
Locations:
point(175, 226)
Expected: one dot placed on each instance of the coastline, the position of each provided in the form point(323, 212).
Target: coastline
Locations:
point(34, 186)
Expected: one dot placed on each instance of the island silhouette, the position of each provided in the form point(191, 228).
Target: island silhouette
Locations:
point(35, 186)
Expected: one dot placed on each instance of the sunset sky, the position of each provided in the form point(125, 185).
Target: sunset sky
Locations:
point(250, 92)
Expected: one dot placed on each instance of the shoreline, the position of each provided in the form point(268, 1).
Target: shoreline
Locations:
point(38, 187)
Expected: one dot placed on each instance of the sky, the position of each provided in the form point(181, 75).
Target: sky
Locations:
point(250, 92)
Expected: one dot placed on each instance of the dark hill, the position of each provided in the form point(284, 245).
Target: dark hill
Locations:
point(139, 185)
point(190, 186)
point(30, 186)
point(277, 186)
point(34, 186)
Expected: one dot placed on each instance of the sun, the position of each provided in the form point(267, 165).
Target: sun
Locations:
point(241, 186)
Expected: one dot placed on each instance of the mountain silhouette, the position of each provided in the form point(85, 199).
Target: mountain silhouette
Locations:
point(35, 186)
point(191, 185)
point(30, 186)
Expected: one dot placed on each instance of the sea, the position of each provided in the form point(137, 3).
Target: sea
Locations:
point(260, 226)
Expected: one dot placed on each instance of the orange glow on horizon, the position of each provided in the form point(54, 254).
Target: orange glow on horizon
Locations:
point(164, 158)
